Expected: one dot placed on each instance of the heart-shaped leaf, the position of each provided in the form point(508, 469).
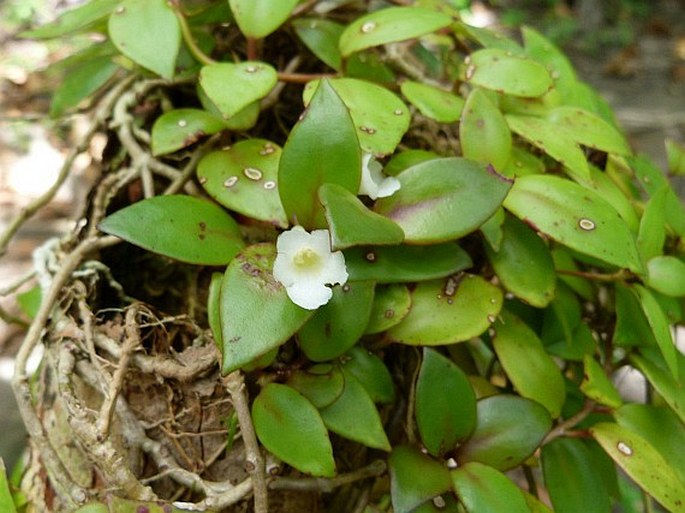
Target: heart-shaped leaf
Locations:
point(554, 141)
point(532, 371)
point(322, 383)
point(352, 224)
point(250, 293)
point(391, 304)
point(354, 416)
point(371, 372)
point(338, 325)
point(321, 36)
point(148, 33)
point(259, 18)
point(448, 311)
point(483, 132)
point(390, 25)
point(395, 264)
point(574, 216)
point(232, 87)
point(508, 430)
point(322, 148)
point(244, 179)
point(444, 199)
point(179, 128)
point(182, 227)
point(290, 427)
point(507, 73)
point(445, 403)
point(438, 104)
point(520, 252)
point(573, 480)
point(642, 463)
point(380, 117)
point(415, 478)
point(597, 386)
point(482, 489)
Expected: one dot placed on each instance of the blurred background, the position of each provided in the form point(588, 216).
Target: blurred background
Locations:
point(632, 51)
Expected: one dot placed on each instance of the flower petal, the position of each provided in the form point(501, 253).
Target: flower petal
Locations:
point(388, 187)
point(320, 241)
point(283, 270)
point(291, 241)
point(335, 271)
point(309, 294)
point(374, 183)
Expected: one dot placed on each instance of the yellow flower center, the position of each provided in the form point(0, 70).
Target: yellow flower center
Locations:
point(306, 258)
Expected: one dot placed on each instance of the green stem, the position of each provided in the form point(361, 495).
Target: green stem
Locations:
point(188, 38)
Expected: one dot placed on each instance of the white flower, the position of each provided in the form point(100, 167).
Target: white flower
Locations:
point(305, 265)
point(374, 184)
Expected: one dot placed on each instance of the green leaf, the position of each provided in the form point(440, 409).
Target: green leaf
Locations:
point(482, 489)
point(490, 38)
point(554, 141)
point(438, 104)
point(563, 261)
point(93, 67)
point(492, 229)
point(675, 153)
point(536, 505)
point(322, 383)
point(6, 501)
point(448, 311)
point(338, 325)
point(415, 478)
point(652, 234)
point(321, 148)
point(445, 403)
point(371, 372)
point(380, 117)
point(244, 179)
point(391, 304)
point(642, 463)
point(602, 183)
point(179, 128)
point(321, 36)
point(389, 26)
point(444, 199)
point(573, 481)
point(653, 179)
point(148, 33)
point(524, 264)
point(405, 159)
point(662, 380)
point(232, 87)
point(660, 327)
point(395, 264)
point(508, 430)
point(521, 163)
point(507, 73)
point(259, 18)
point(290, 427)
point(214, 309)
point(660, 427)
point(256, 313)
point(589, 130)
point(666, 274)
point(352, 224)
point(182, 227)
point(632, 328)
point(80, 18)
point(597, 386)
point(29, 301)
point(545, 52)
point(574, 216)
point(483, 132)
point(531, 370)
point(354, 416)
